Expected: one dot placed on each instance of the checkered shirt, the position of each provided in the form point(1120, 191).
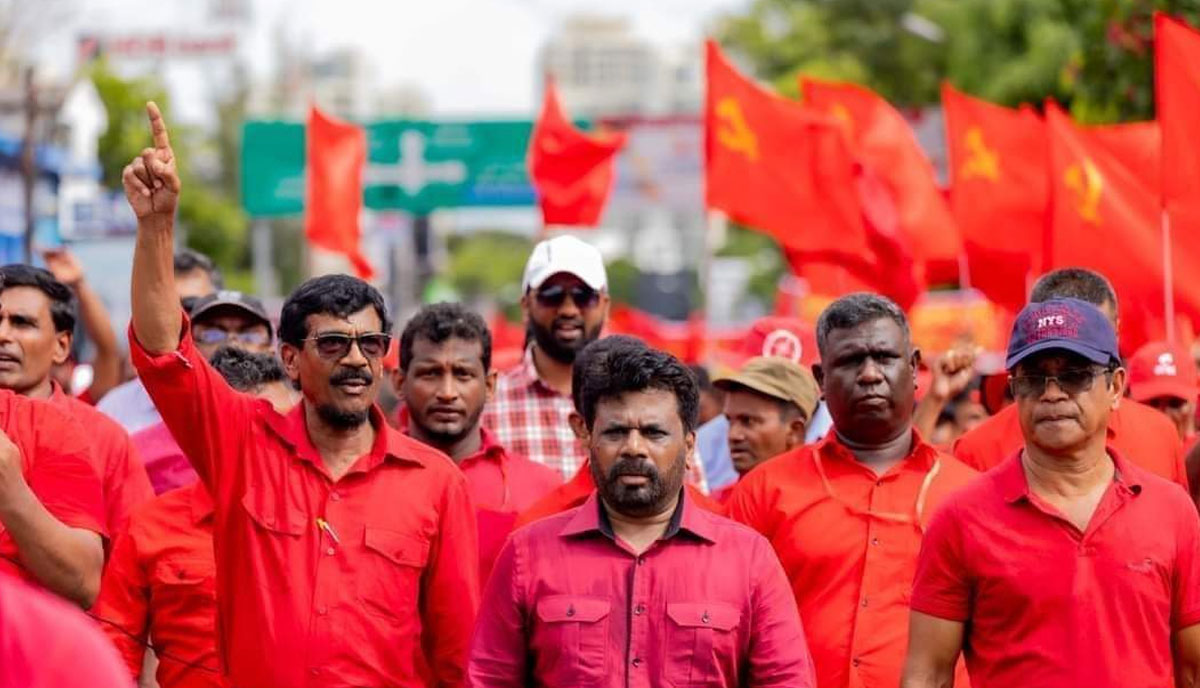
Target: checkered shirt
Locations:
point(531, 419)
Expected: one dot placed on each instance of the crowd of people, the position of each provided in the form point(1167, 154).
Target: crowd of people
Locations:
point(244, 512)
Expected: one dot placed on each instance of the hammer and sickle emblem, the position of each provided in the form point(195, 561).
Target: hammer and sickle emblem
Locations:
point(1085, 180)
point(734, 133)
point(981, 161)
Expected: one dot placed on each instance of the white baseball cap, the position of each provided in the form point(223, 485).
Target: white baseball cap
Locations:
point(565, 254)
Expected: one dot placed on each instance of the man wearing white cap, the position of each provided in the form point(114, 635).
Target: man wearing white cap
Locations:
point(565, 303)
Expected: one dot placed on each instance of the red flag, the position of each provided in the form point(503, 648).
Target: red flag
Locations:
point(1106, 216)
point(336, 154)
point(572, 171)
point(999, 193)
point(776, 166)
point(884, 142)
point(1177, 89)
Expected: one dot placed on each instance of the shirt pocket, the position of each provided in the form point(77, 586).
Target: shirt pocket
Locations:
point(701, 643)
point(390, 581)
point(185, 576)
point(571, 640)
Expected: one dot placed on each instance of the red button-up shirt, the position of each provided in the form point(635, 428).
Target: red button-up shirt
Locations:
point(160, 586)
point(569, 604)
point(502, 485)
point(368, 580)
point(123, 478)
point(47, 643)
point(576, 492)
point(58, 466)
point(1046, 604)
point(848, 540)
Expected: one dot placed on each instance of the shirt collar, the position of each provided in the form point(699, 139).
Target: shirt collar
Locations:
point(1014, 486)
point(200, 502)
point(389, 443)
point(921, 456)
point(687, 517)
point(489, 446)
point(525, 374)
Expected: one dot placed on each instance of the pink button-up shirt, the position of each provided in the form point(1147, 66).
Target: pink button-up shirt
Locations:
point(569, 604)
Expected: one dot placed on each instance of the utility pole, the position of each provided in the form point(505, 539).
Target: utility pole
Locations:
point(28, 161)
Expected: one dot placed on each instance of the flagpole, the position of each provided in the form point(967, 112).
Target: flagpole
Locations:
point(1168, 277)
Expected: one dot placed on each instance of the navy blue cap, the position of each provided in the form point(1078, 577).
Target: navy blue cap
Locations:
point(1066, 325)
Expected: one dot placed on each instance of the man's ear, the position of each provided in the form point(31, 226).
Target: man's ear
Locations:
point(490, 382)
point(819, 374)
point(397, 378)
point(578, 426)
point(62, 348)
point(796, 431)
point(1118, 387)
point(290, 357)
point(689, 442)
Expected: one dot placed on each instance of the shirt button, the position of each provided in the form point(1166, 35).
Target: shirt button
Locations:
point(640, 561)
point(875, 541)
point(640, 609)
point(856, 661)
point(335, 496)
point(637, 661)
point(330, 551)
point(322, 611)
point(864, 602)
point(314, 671)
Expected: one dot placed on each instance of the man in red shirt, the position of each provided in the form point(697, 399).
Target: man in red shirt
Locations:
point(768, 402)
point(1163, 376)
point(444, 379)
point(1067, 565)
point(845, 515)
point(638, 587)
point(577, 490)
point(37, 321)
point(346, 552)
point(44, 643)
point(160, 583)
point(1135, 430)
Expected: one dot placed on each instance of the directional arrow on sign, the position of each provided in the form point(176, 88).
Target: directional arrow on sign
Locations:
point(413, 173)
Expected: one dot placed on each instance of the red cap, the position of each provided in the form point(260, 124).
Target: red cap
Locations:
point(784, 337)
point(1159, 369)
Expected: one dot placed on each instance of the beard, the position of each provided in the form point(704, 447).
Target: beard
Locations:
point(445, 438)
point(559, 350)
point(342, 419)
point(639, 501)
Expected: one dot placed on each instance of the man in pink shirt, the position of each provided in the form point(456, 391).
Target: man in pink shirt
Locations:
point(445, 377)
point(638, 587)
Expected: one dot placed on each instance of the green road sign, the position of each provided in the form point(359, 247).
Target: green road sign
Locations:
point(417, 166)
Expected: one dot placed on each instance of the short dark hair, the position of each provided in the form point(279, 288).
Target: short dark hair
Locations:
point(63, 306)
point(1075, 283)
point(189, 260)
point(627, 367)
point(246, 371)
point(855, 309)
point(441, 321)
point(595, 349)
point(703, 381)
point(337, 295)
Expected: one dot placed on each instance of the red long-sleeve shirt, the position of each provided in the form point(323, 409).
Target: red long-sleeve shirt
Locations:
point(367, 580)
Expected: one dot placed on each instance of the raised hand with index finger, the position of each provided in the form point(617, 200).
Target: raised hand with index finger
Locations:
point(151, 179)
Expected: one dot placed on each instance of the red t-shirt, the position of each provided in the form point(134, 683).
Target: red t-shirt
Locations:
point(1046, 604)
point(58, 466)
point(370, 579)
point(122, 474)
point(47, 643)
point(1138, 431)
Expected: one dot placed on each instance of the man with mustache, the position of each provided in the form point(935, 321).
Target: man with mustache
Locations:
point(1068, 564)
point(1138, 431)
point(444, 379)
point(565, 303)
point(846, 515)
point(345, 551)
point(637, 586)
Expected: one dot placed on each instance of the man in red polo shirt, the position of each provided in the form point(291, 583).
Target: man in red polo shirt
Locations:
point(444, 379)
point(638, 587)
point(577, 490)
point(37, 322)
point(1163, 376)
point(1136, 430)
point(346, 552)
point(845, 515)
point(1068, 564)
point(160, 584)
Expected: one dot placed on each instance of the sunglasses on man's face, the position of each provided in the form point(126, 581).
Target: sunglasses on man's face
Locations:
point(1071, 382)
point(554, 295)
point(212, 335)
point(336, 345)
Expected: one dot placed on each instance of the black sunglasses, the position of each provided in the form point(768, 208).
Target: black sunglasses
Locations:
point(1071, 382)
point(336, 345)
point(554, 295)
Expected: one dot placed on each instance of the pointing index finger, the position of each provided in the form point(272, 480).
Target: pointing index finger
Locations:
point(158, 127)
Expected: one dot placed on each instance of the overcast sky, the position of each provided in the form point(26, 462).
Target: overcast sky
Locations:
point(466, 56)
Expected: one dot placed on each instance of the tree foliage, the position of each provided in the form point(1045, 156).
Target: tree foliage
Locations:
point(1094, 56)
